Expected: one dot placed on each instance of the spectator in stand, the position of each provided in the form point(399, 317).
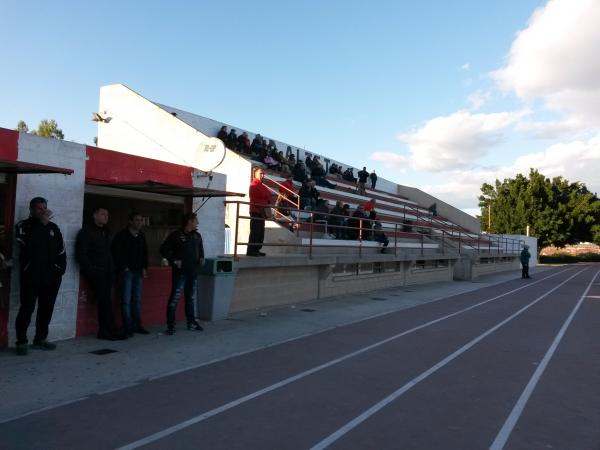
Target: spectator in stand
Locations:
point(42, 263)
point(184, 250)
point(370, 205)
point(291, 161)
point(336, 222)
point(318, 174)
point(223, 134)
point(287, 196)
point(321, 211)
point(356, 223)
point(308, 162)
point(308, 195)
point(273, 146)
point(333, 169)
point(361, 186)
point(260, 199)
point(271, 162)
point(299, 172)
point(373, 178)
point(348, 175)
point(379, 236)
point(130, 253)
point(232, 139)
point(368, 225)
point(289, 152)
point(243, 143)
point(433, 209)
point(256, 149)
point(285, 164)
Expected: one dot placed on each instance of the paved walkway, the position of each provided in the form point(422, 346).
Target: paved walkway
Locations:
point(505, 363)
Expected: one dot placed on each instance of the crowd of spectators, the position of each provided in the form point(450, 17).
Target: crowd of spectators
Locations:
point(265, 151)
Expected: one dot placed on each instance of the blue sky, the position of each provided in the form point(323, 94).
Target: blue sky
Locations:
point(342, 78)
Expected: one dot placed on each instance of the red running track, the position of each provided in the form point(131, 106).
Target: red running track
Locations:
point(514, 366)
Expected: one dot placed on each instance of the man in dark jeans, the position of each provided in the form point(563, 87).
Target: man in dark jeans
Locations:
point(260, 198)
point(93, 253)
point(130, 254)
point(42, 263)
point(184, 250)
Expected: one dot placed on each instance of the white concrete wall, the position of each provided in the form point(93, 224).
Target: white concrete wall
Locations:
point(444, 209)
point(65, 198)
point(141, 127)
point(529, 240)
point(211, 214)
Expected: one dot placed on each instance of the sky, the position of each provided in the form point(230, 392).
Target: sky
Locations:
point(438, 95)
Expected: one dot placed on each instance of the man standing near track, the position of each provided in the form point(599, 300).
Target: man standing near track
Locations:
point(43, 262)
point(525, 255)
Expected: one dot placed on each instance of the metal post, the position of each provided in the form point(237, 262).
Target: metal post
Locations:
point(395, 238)
point(360, 225)
point(443, 242)
point(237, 227)
point(311, 235)
point(458, 242)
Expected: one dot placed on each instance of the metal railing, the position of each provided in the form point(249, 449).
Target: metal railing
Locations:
point(456, 241)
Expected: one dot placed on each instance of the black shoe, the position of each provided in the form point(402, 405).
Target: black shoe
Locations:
point(252, 254)
point(142, 330)
point(170, 331)
point(22, 349)
point(43, 345)
point(195, 326)
point(261, 254)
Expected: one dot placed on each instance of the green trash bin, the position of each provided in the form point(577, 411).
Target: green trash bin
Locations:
point(215, 288)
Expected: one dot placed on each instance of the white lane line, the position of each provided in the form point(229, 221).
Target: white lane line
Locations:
point(412, 383)
point(517, 410)
point(213, 412)
point(45, 408)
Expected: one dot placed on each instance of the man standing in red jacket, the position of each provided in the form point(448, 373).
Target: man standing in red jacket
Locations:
point(259, 196)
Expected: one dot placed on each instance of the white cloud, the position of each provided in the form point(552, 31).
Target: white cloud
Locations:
point(466, 66)
point(454, 141)
point(478, 98)
point(556, 58)
point(576, 161)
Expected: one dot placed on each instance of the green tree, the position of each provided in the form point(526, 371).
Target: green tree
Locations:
point(558, 212)
point(22, 127)
point(49, 128)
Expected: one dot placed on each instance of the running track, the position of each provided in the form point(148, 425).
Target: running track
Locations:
point(515, 366)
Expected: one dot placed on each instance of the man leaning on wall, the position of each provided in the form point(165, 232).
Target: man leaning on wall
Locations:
point(42, 263)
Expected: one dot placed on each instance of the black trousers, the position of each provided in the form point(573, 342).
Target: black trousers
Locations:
point(525, 270)
point(45, 297)
point(101, 285)
point(257, 233)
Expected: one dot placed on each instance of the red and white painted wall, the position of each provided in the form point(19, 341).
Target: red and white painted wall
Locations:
point(75, 312)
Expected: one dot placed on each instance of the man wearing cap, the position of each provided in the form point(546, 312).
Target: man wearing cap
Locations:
point(42, 263)
point(525, 255)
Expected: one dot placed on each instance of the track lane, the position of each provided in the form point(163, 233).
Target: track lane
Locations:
point(564, 409)
point(464, 404)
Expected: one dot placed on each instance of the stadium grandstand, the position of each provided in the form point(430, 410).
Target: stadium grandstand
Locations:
point(428, 240)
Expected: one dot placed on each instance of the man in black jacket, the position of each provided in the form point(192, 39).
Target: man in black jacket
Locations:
point(93, 253)
point(42, 263)
point(130, 253)
point(184, 250)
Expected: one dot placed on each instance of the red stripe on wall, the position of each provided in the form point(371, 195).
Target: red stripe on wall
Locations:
point(116, 167)
point(9, 144)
